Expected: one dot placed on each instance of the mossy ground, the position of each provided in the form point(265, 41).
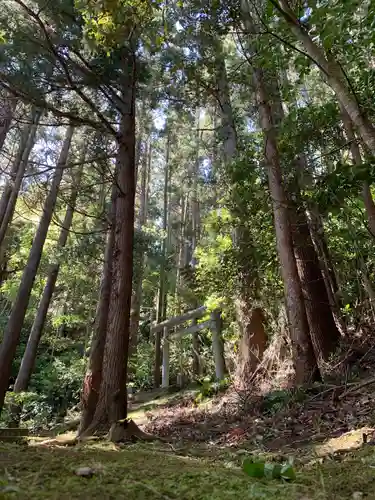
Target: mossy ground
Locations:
point(155, 471)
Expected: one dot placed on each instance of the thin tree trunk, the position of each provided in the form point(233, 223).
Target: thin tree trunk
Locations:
point(332, 71)
point(93, 377)
point(11, 189)
point(13, 329)
point(29, 357)
point(142, 220)
point(112, 404)
point(8, 105)
point(357, 160)
point(162, 296)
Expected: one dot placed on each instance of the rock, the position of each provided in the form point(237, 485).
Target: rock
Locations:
point(85, 472)
point(357, 495)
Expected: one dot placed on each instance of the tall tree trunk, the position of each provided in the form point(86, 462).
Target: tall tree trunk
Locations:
point(142, 220)
point(228, 132)
point(93, 377)
point(357, 160)
point(332, 72)
point(13, 329)
point(7, 107)
point(270, 113)
point(11, 189)
point(29, 357)
point(304, 358)
point(323, 330)
point(195, 213)
point(112, 404)
point(162, 295)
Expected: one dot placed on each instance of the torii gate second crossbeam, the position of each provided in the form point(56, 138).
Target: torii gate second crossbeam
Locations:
point(214, 324)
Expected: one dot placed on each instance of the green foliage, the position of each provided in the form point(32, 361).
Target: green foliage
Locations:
point(209, 388)
point(279, 400)
point(257, 469)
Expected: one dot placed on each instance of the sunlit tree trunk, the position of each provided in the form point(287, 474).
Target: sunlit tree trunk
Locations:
point(93, 377)
point(304, 358)
point(112, 403)
point(142, 220)
point(7, 108)
point(162, 294)
point(331, 71)
point(29, 357)
point(13, 329)
point(11, 189)
point(357, 160)
point(195, 215)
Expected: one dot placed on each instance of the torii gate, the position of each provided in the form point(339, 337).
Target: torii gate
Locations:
point(215, 325)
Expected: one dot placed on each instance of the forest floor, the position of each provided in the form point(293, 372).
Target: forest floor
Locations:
point(204, 446)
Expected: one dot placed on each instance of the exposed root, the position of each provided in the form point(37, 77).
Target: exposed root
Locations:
point(127, 430)
point(68, 441)
point(122, 431)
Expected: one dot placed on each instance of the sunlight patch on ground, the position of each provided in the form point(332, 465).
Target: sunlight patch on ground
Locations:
point(349, 441)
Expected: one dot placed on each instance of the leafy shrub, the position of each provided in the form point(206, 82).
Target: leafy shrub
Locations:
point(279, 400)
point(209, 388)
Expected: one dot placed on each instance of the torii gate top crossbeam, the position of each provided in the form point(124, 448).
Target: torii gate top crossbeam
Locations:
point(169, 323)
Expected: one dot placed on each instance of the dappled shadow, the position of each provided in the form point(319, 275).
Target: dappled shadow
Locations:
point(302, 424)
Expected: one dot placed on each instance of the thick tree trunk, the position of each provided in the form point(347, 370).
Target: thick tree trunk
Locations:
point(306, 368)
point(29, 357)
point(304, 358)
point(112, 404)
point(162, 295)
point(252, 345)
point(333, 73)
point(93, 377)
point(13, 329)
point(11, 189)
point(323, 330)
point(7, 107)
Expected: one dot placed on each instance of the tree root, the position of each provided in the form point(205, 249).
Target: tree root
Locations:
point(121, 431)
point(127, 430)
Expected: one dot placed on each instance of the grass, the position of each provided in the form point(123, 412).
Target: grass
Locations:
point(150, 471)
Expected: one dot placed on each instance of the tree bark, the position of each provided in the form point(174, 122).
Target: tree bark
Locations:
point(304, 359)
point(251, 348)
point(142, 220)
point(162, 295)
point(357, 160)
point(13, 329)
point(29, 357)
point(112, 404)
point(305, 364)
point(8, 106)
point(323, 330)
point(228, 132)
point(333, 73)
point(93, 377)
point(11, 189)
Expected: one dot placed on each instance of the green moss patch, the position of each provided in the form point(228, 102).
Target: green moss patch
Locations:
point(151, 472)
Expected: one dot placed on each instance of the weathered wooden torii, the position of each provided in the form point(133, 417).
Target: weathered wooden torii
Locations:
point(214, 324)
